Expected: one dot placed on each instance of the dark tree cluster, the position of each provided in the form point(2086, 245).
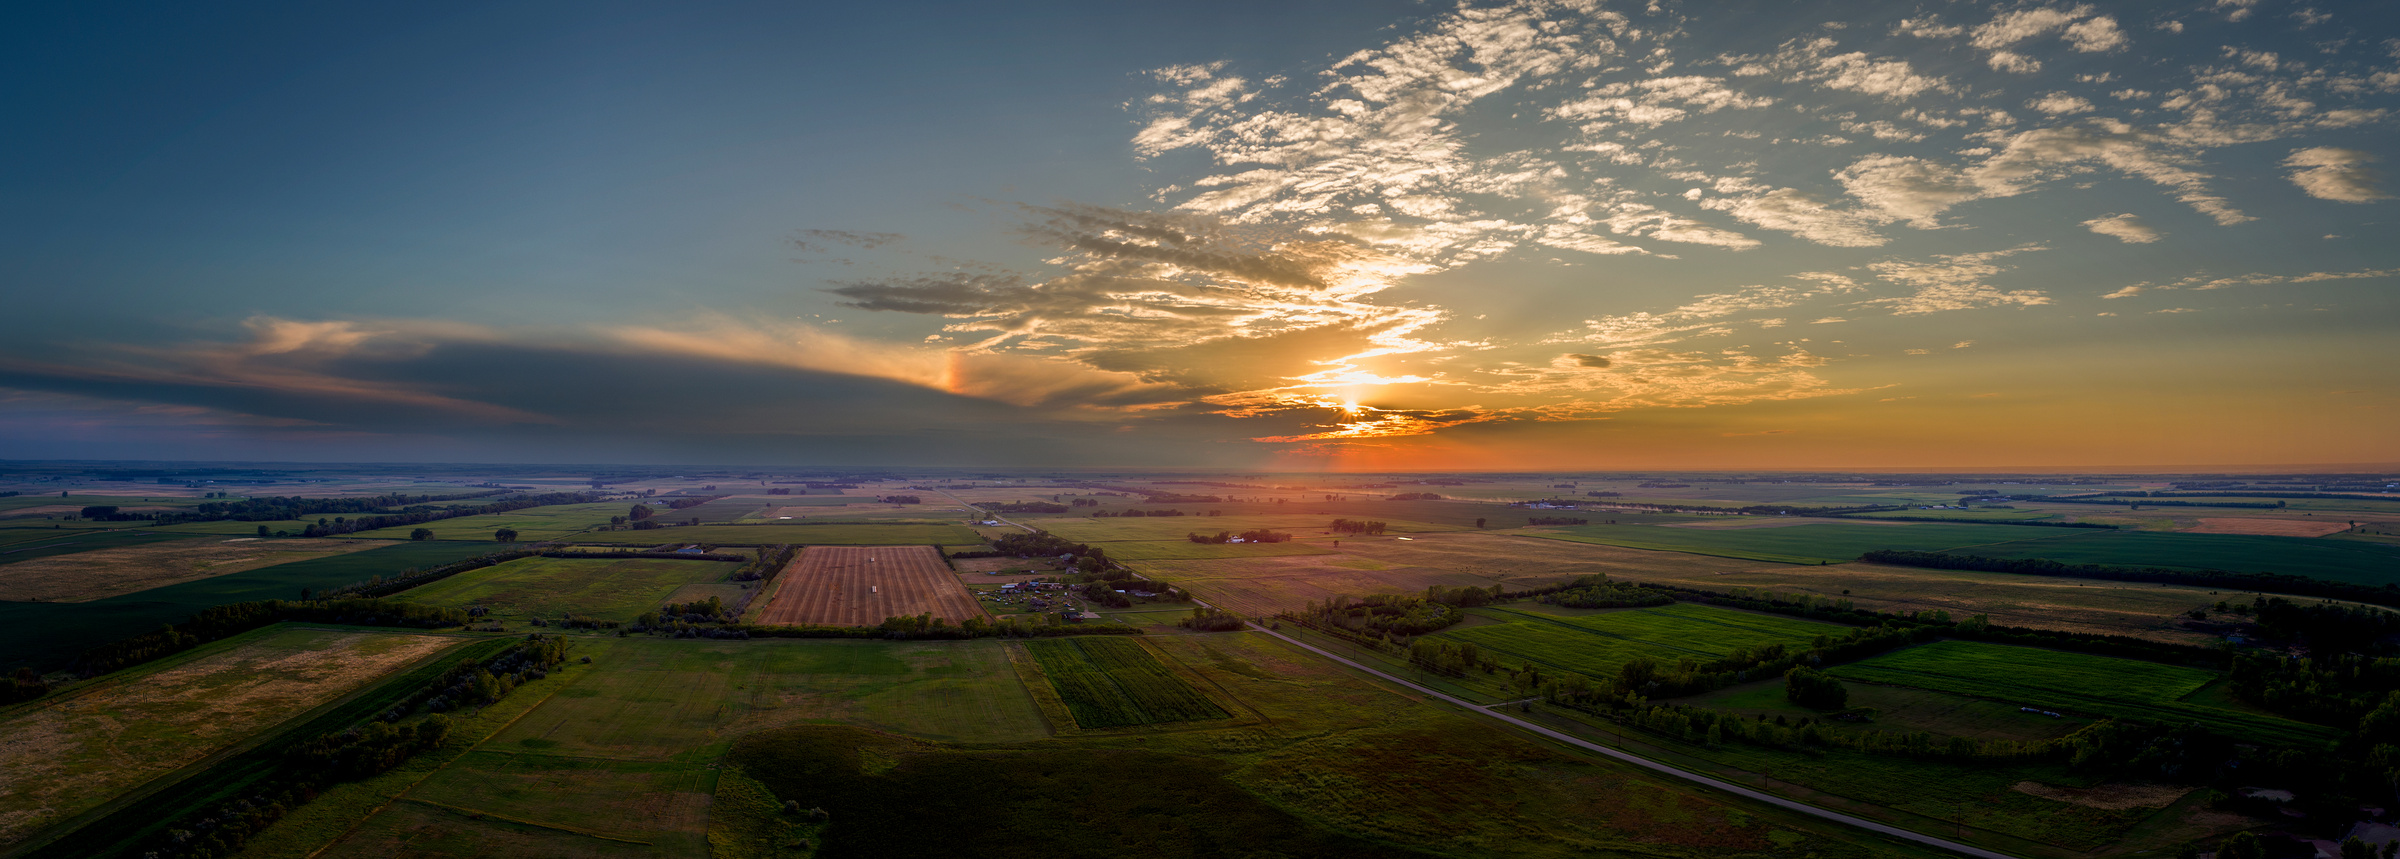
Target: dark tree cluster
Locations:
point(899, 499)
point(1557, 520)
point(1211, 620)
point(2282, 583)
point(1814, 689)
point(1031, 506)
point(1102, 514)
point(689, 502)
point(1414, 496)
point(1346, 526)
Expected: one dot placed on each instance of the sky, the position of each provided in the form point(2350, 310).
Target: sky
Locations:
point(1566, 234)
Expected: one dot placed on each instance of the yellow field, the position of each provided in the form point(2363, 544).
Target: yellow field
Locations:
point(86, 576)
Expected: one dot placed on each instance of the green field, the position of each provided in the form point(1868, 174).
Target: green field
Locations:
point(2050, 679)
point(71, 542)
point(618, 590)
point(1112, 682)
point(47, 635)
point(2341, 560)
point(831, 534)
point(532, 523)
point(1186, 550)
point(1166, 528)
point(720, 510)
point(1595, 644)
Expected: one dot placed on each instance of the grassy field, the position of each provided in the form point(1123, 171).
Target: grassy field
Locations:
point(19, 532)
point(47, 635)
point(1115, 683)
point(54, 543)
point(73, 751)
point(1184, 550)
point(831, 534)
point(1165, 528)
point(2096, 685)
point(618, 590)
point(1383, 565)
point(2364, 563)
point(87, 576)
point(1897, 708)
point(532, 523)
point(1595, 644)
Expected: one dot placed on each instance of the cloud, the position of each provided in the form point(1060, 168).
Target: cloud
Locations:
point(1592, 361)
point(1704, 312)
point(1953, 282)
point(2059, 103)
point(2125, 228)
point(1814, 61)
point(2330, 173)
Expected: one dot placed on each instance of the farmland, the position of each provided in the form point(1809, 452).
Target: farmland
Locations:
point(2364, 563)
point(532, 523)
point(46, 635)
point(46, 543)
point(1389, 565)
point(854, 586)
point(1113, 682)
point(1188, 550)
point(64, 755)
point(604, 588)
point(1595, 644)
point(626, 748)
point(829, 534)
point(1166, 528)
point(2076, 682)
point(91, 575)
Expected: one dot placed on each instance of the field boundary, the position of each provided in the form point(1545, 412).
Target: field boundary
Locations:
point(264, 735)
point(478, 814)
point(403, 792)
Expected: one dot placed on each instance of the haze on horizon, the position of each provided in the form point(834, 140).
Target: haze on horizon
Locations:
point(1364, 236)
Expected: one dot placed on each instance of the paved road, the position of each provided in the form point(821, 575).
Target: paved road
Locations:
point(1646, 763)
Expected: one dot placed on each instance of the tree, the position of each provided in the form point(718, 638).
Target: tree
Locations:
point(421, 534)
point(1809, 687)
point(505, 535)
point(1478, 523)
point(2242, 845)
point(641, 512)
point(263, 532)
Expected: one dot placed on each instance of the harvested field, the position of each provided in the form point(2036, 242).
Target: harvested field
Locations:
point(1382, 565)
point(63, 755)
point(2269, 527)
point(2114, 797)
point(860, 586)
point(87, 576)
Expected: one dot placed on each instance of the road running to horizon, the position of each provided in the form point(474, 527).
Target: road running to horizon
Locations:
point(1646, 763)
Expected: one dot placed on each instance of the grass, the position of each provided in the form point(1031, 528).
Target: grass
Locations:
point(1176, 550)
point(618, 590)
point(1898, 708)
point(1171, 528)
point(74, 542)
point(830, 534)
point(532, 523)
point(1109, 682)
point(76, 750)
point(2364, 563)
point(48, 635)
point(1596, 644)
point(2097, 685)
point(87, 576)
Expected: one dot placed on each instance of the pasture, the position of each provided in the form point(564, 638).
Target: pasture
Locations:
point(47, 635)
point(2340, 560)
point(531, 524)
point(1114, 682)
point(1373, 565)
point(1595, 644)
point(627, 747)
point(2076, 682)
point(858, 586)
point(66, 754)
point(100, 573)
point(795, 533)
point(609, 589)
point(48, 543)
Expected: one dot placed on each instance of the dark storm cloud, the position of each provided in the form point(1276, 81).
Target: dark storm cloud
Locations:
point(939, 294)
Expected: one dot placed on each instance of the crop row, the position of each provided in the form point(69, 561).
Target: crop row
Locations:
point(1112, 682)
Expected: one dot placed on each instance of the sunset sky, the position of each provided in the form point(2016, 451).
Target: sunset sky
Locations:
point(1374, 235)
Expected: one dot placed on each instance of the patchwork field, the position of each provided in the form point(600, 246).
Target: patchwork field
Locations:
point(1188, 550)
point(44, 542)
point(852, 586)
point(2097, 685)
point(47, 635)
point(87, 576)
point(532, 523)
point(2363, 563)
point(829, 534)
point(64, 755)
point(1169, 528)
point(1596, 644)
point(609, 589)
point(1113, 682)
point(1362, 566)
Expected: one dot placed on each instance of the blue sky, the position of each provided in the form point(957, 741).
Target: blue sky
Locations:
point(1351, 235)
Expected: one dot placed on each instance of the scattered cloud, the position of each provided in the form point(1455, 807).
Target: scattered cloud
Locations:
point(2125, 228)
point(1953, 282)
point(2341, 175)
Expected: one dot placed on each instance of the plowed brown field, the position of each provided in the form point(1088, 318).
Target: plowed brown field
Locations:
point(862, 585)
